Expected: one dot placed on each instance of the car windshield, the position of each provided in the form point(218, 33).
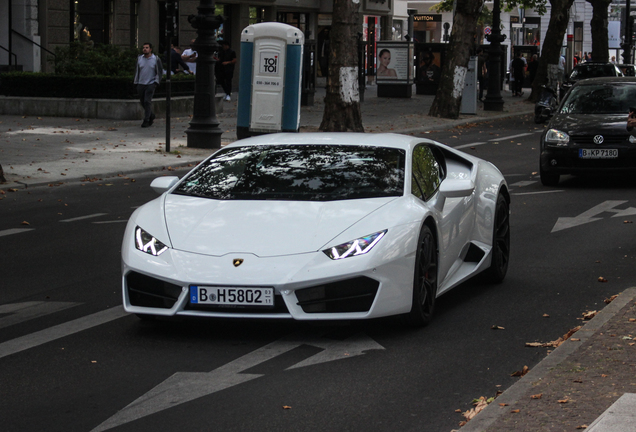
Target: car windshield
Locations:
point(298, 173)
point(585, 71)
point(600, 99)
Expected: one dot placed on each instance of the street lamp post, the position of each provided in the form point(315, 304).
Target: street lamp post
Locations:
point(204, 131)
point(494, 101)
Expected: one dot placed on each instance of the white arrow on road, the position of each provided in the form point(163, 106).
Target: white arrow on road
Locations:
point(183, 387)
point(588, 216)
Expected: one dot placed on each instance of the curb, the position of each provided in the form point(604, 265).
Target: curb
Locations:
point(512, 395)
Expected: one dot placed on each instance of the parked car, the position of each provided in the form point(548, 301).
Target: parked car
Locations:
point(589, 132)
point(593, 70)
point(629, 70)
point(317, 227)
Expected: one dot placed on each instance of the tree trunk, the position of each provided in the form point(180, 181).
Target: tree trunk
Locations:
point(2, 179)
point(598, 24)
point(551, 51)
point(342, 102)
point(448, 98)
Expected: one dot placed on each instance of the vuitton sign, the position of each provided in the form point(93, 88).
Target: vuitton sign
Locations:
point(427, 18)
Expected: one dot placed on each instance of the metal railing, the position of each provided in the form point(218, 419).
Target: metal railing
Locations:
point(32, 42)
point(15, 57)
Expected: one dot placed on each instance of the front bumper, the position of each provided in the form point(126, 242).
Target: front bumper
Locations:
point(307, 286)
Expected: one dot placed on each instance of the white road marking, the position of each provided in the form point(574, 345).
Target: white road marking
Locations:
point(14, 231)
point(183, 387)
point(588, 216)
point(20, 312)
point(470, 145)
point(510, 137)
point(536, 193)
point(524, 183)
point(59, 331)
point(84, 217)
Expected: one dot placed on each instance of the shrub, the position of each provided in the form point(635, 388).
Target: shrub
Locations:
point(82, 59)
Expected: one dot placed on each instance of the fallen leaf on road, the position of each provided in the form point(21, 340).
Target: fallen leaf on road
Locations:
point(589, 314)
point(563, 401)
point(25, 223)
point(496, 327)
point(521, 373)
point(458, 410)
point(576, 339)
point(514, 411)
point(604, 376)
point(627, 221)
point(582, 427)
point(503, 404)
point(536, 396)
point(602, 279)
point(632, 320)
point(535, 344)
point(286, 407)
point(611, 299)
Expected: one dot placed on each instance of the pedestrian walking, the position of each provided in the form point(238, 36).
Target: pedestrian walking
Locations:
point(518, 71)
point(532, 67)
point(225, 68)
point(482, 73)
point(147, 78)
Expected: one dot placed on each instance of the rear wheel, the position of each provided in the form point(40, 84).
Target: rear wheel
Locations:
point(501, 242)
point(548, 179)
point(424, 280)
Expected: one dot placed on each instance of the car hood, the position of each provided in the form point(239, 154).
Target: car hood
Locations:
point(262, 228)
point(588, 124)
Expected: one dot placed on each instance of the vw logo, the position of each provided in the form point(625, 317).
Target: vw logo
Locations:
point(598, 139)
point(237, 261)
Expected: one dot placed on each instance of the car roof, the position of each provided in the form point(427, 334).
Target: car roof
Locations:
point(606, 80)
point(333, 138)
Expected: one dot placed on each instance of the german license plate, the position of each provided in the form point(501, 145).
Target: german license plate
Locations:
point(598, 153)
point(231, 296)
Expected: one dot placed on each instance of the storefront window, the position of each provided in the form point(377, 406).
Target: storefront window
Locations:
point(427, 28)
point(296, 19)
point(91, 21)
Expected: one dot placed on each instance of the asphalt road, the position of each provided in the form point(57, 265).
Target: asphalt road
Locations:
point(70, 360)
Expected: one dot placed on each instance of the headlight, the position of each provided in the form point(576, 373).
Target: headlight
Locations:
point(557, 137)
point(354, 247)
point(148, 244)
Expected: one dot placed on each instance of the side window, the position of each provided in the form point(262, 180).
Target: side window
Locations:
point(426, 173)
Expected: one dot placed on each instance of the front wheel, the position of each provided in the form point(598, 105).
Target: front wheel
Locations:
point(501, 242)
point(424, 280)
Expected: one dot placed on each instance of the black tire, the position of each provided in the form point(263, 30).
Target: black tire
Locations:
point(500, 242)
point(548, 179)
point(424, 280)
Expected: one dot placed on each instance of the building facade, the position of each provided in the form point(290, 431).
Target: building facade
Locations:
point(30, 30)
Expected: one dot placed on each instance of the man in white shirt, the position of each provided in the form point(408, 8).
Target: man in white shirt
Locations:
point(190, 57)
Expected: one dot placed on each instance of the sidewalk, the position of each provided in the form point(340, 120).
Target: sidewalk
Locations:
point(49, 150)
point(588, 382)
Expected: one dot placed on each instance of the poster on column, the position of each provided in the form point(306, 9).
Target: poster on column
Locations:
point(395, 63)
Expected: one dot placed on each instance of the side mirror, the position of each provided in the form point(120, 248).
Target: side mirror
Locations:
point(454, 189)
point(162, 184)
